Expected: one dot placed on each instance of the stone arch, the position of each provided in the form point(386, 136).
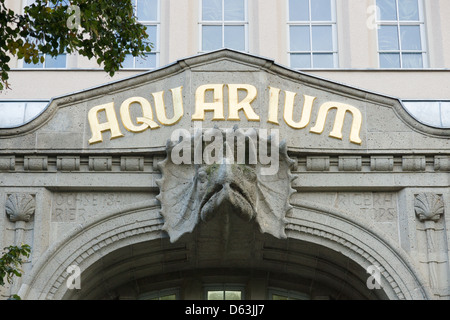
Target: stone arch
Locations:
point(87, 243)
point(361, 242)
point(142, 222)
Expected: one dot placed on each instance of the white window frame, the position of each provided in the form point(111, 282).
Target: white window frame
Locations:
point(311, 23)
point(406, 105)
point(156, 46)
point(25, 118)
point(398, 23)
point(224, 287)
point(296, 295)
point(222, 23)
point(157, 294)
point(21, 63)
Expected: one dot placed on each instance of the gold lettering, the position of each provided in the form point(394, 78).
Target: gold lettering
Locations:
point(146, 121)
point(234, 106)
point(342, 109)
point(160, 106)
point(289, 110)
point(273, 105)
point(216, 106)
point(111, 123)
point(210, 98)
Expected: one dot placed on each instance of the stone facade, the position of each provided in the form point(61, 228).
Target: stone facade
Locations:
point(359, 185)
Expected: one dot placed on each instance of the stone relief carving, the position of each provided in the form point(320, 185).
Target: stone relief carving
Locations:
point(20, 207)
point(428, 206)
point(194, 192)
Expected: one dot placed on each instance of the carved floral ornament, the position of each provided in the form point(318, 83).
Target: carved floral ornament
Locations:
point(229, 179)
point(428, 206)
point(20, 207)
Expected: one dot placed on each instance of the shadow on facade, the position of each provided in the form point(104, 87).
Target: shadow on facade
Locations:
point(225, 253)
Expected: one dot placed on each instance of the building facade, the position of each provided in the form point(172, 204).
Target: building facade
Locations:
point(333, 185)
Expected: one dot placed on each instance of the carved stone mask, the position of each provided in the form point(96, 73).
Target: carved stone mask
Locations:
point(190, 192)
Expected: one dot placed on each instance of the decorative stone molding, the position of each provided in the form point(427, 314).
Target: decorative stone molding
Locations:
point(308, 163)
point(68, 163)
point(132, 163)
point(442, 163)
point(317, 163)
point(428, 206)
point(7, 163)
point(100, 163)
point(35, 163)
point(382, 163)
point(413, 163)
point(350, 163)
point(20, 207)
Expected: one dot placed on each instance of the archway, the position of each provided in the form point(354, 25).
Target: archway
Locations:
point(126, 256)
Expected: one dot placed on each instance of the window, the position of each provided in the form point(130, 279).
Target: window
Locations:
point(165, 294)
point(400, 34)
point(312, 34)
point(59, 61)
point(147, 13)
point(224, 292)
point(17, 113)
point(432, 113)
point(281, 294)
point(223, 25)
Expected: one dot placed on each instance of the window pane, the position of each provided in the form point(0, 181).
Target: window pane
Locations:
point(323, 60)
point(232, 295)
point(234, 10)
point(427, 112)
point(322, 38)
point(321, 10)
point(211, 38)
point(56, 62)
point(147, 10)
point(147, 62)
point(215, 295)
point(412, 60)
point(408, 10)
point(445, 114)
point(235, 37)
point(32, 65)
point(168, 297)
point(33, 109)
point(299, 38)
point(388, 38)
point(300, 60)
point(152, 37)
point(12, 114)
point(212, 10)
point(128, 62)
point(388, 10)
point(389, 60)
point(410, 36)
point(279, 297)
point(298, 10)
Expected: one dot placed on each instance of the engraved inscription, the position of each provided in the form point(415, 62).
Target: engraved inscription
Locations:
point(79, 206)
point(380, 206)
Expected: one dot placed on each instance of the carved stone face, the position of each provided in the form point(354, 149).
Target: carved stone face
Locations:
point(190, 192)
point(227, 187)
